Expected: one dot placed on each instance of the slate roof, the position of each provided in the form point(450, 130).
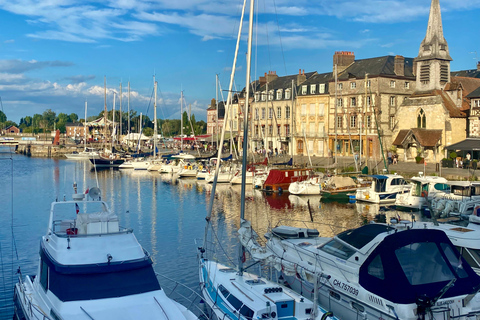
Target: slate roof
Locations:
point(284, 82)
point(379, 66)
point(474, 73)
point(474, 94)
point(322, 78)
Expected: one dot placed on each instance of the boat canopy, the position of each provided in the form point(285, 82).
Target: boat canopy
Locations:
point(417, 263)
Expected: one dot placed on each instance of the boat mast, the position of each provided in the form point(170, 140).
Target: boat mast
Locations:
point(155, 120)
point(113, 125)
point(245, 127)
point(181, 120)
point(120, 133)
point(216, 108)
point(128, 109)
point(105, 112)
point(292, 117)
point(85, 128)
point(335, 118)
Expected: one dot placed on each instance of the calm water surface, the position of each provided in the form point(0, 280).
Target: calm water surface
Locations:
point(166, 214)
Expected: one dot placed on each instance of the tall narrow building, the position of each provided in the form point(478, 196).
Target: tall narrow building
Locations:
point(433, 61)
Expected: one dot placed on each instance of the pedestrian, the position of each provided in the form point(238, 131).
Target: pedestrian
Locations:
point(389, 157)
point(276, 152)
point(395, 158)
point(356, 157)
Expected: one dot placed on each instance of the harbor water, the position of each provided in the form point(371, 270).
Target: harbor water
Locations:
point(167, 214)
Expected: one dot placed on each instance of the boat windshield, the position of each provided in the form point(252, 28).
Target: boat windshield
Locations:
point(441, 187)
point(72, 287)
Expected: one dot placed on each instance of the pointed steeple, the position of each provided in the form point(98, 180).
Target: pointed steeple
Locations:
point(434, 46)
point(433, 61)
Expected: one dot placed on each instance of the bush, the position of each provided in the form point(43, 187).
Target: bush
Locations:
point(447, 163)
point(453, 155)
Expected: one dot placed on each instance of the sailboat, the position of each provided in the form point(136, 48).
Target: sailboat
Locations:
point(233, 293)
point(87, 153)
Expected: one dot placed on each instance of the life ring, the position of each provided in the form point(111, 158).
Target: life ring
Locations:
point(189, 167)
point(200, 167)
point(186, 167)
point(424, 193)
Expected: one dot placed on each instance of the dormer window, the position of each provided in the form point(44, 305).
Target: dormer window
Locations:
point(407, 85)
point(257, 96)
point(353, 85)
point(287, 94)
point(321, 88)
point(392, 84)
point(340, 86)
point(304, 90)
point(264, 95)
point(279, 94)
point(313, 89)
point(270, 95)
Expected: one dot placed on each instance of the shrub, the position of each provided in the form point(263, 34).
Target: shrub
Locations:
point(453, 155)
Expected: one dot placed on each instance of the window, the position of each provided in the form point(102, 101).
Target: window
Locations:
point(279, 113)
point(279, 94)
point(257, 96)
point(369, 101)
point(339, 121)
point(353, 121)
point(270, 95)
point(353, 85)
point(256, 130)
point(321, 109)
point(353, 102)
point(392, 101)
point(321, 88)
point(278, 130)
point(256, 114)
point(443, 73)
point(339, 102)
point(421, 119)
point(338, 249)
point(270, 130)
point(44, 275)
point(287, 94)
point(476, 103)
point(311, 128)
point(304, 90)
point(392, 122)
point(407, 85)
point(287, 130)
point(313, 89)
point(340, 86)
point(263, 113)
point(270, 113)
point(392, 84)
point(368, 83)
point(425, 73)
point(321, 129)
point(312, 109)
point(303, 127)
point(304, 109)
point(287, 112)
point(264, 94)
point(263, 130)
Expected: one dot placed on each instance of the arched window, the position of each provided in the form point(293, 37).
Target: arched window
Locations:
point(421, 119)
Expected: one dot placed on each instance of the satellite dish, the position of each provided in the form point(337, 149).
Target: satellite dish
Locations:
point(94, 193)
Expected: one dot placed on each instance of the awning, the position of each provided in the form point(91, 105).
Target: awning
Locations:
point(469, 144)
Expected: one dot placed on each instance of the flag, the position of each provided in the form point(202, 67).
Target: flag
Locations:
point(86, 191)
point(77, 208)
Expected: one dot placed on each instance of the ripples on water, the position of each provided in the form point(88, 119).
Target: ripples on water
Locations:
point(166, 214)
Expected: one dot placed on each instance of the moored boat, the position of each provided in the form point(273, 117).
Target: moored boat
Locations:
point(384, 189)
point(280, 179)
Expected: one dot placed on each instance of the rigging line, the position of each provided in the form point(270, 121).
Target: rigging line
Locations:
point(268, 40)
point(280, 36)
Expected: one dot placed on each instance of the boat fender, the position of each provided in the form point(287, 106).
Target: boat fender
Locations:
point(189, 167)
point(327, 315)
point(200, 167)
point(186, 167)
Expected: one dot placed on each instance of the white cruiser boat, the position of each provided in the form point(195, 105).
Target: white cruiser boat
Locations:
point(91, 268)
point(171, 167)
point(306, 187)
point(384, 189)
point(188, 171)
point(87, 153)
point(376, 271)
point(424, 188)
point(460, 200)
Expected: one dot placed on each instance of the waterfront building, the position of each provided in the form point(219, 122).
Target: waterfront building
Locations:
point(365, 101)
point(215, 119)
point(272, 110)
point(75, 130)
point(311, 116)
point(435, 115)
point(474, 115)
point(11, 129)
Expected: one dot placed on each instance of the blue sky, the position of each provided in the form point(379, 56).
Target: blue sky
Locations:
point(54, 54)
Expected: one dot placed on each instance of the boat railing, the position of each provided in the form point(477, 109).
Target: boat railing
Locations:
point(184, 294)
point(67, 229)
point(29, 306)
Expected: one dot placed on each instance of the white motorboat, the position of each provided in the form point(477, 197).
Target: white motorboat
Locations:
point(424, 188)
point(376, 271)
point(237, 177)
point(306, 187)
point(87, 153)
point(91, 268)
point(384, 189)
point(171, 166)
point(188, 171)
point(460, 200)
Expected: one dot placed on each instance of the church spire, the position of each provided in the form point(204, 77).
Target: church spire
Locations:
point(433, 60)
point(434, 46)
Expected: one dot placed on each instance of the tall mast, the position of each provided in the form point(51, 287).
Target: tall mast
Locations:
point(120, 133)
point(292, 117)
point(216, 107)
point(128, 109)
point(181, 120)
point(113, 125)
point(335, 118)
point(155, 120)
point(85, 128)
point(105, 111)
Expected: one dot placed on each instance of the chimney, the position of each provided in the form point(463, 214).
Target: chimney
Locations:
point(300, 77)
point(399, 67)
point(262, 80)
point(213, 103)
point(272, 75)
point(478, 66)
point(343, 59)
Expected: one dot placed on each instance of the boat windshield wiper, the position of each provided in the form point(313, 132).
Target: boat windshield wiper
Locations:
point(424, 303)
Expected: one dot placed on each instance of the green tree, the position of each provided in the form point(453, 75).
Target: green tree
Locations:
point(3, 117)
point(73, 117)
point(37, 118)
point(49, 116)
point(148, 131)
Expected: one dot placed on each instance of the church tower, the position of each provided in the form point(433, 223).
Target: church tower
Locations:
point(433, 61)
